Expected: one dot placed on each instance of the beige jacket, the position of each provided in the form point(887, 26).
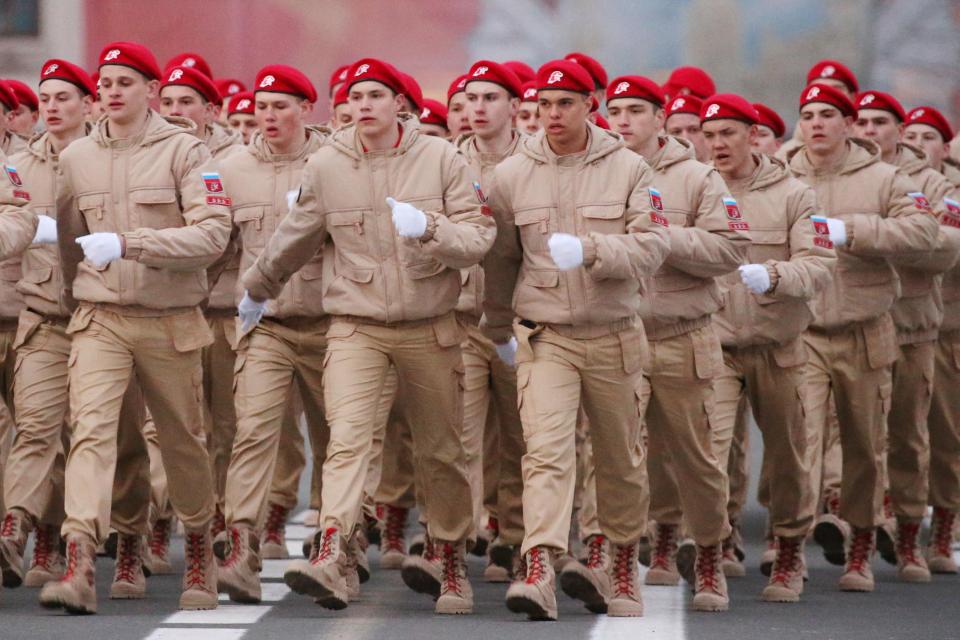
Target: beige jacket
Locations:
point(370, 271)
point(800, 261)
point(882, 222)
point(707, 240)
point(11, 143)
point(161, 191)
point(918, 312)
point(950, 282)
point(18, 225)
point(482, 165)
point(262, 184)
point(604, 196)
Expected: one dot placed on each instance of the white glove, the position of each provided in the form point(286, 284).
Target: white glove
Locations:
point(756, 277)
point(250, 312)
point(409, 221)
point(101, 248)
point(566, 251)
point(837, 229)
point(508, 352)
point(46, 230)
point(292, 198)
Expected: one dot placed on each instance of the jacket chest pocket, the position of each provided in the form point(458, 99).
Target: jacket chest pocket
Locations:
point(534, 228)
point(250, 222)
point(157, 207)
point(768, 244)
point(349, 229)
point(92, 209)
point(603, 218)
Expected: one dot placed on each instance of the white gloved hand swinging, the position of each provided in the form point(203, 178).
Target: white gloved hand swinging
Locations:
point(756, 277)
point(409, 221)
point(101, 248)
point(46, 230)
point(566, 251)
point(508, 352)
point(250, 312)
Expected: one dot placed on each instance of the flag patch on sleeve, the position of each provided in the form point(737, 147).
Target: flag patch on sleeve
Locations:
point(14, 176)
point(735, 219)
point(821, 232)
point(212, 182)
point(951, 217)
point(920, 201)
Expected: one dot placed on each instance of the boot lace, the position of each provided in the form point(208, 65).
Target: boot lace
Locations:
point(451, 570)
point(624, 568)
point(706, 570)
point(43, 547)
point(860, 547)
point(196, 573)
point(665, 548)
point(160, 538)
point(276, 520)
point(429, 549)
point(324, 547)
point(907, 534)
point(393, 526)
point(9, 528)
point(535, 565)
point(219, 523)
point(888, 507)
point(787, 562)
point(941, 538)
point(73, 559)
point(128, 558)
point(595, 552)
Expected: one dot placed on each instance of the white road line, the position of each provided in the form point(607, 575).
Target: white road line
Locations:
point(228, 614)
point(196, 633)
point(269, 592)
point(298, 517)
point(273, 569)
point(295, 548)
point(664, 611)
point(299, 532)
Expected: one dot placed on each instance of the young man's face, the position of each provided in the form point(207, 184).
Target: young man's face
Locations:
point(63, 106)
point(880, 126)
point(729, 142)
point(930, 140)
point(687, 126)
point(280, 116)
point(528, 121)
point(244, 123)
point(824, 128)
point(125, 94)
point(23, 121)
point(766, 141)
point(185, 102)
point(457, 119)
point(375, 107)
point(635, 119)
point(563, 114)
point(490, 109)
point(433, 130)
point(342, 115)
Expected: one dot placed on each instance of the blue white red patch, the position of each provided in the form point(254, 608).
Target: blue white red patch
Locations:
point(821, 232)
point(212, 182)
point(222, 201)
point(921, 201)
point(14, 176)
point(735, 219)
point(20, 193)
point(951, 217)
point(656, 200)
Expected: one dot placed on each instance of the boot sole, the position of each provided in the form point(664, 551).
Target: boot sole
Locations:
point(534, 611)
point(37, 580)
point(658, 578)
point(580, 588)
point(886, 547)
point(305, 585)
point(831, 539)
point(420, 581)
point(130, 595)
point(710, 607)
point(780, 595)
point(444, 608)
point(57, 603)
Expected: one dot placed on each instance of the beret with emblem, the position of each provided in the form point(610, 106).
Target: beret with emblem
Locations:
point(133, 55)
point(339, 75)
point(689, 80)
point(193, 78)
point(564, 75)
point(933, 118)
point(522, 70)
point(194, 60)
point(728, 106)
point(377, 71)
point(593, 67)
point(529, 91)
point(229, 87)
point(488, 71)
point(280, 78)
point(25, 94)
point(7, 97)
point(57, 69)
point(457, 86)
point(826, 94)
point(770, 119)
point(881, 101)
point(434, 112)
point(635, 87)
point(242, 102)
point(833, 70)
point(684, 104)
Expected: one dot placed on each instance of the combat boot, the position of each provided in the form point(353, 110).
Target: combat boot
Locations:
point(14, 532)
point(200, 573)
point(857, 573)
point(424, 574)
point(456, 594)
point(832, 532)
point(47, 563)
point(129, 583)
point(393, 550)
point(357, 553)
point(786, 574)
point(238, 573)
point(887, 533)
point(589, 581)
point(625, 601)
point(911, 566)
point(324, 575)
point(273, 540)
point(732, 566)
point(156, 560)
point(939, 550)
point(536, 594)
point(663, 561)
point(710, 583)
point(76, 591)
point(500, 562)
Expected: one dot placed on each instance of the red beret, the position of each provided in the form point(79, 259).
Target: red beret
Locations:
point(881, 101)
point(728, 106)
point(434, 112)
point(826, 94)
point(529, 91)
point(342, 96)
point(412, 90)
point(242, 102)
point(192, 60)
point(57, 69)
point(684, 104)
point(193, 78)
point(635, 87)
point(593, 67)
point(7, 97)
point(566, 75)
point(457, 86)
point(601, 122)
point(378, 71)
point(835, 71)
point(338, 76)
point(930, 116)
point(770, 119)
point(229, 87)
point(694, 79)
point(133, 55)
point(522, 70)
point(279, 78)
point(487, 71)
point(25, 94)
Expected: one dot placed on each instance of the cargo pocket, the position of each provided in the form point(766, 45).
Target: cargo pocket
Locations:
point(346, 228)
point(879, 339)
point(604, 218)
point(523, 379)
point(447, 331)
point(91, 207)
point(238, 365)
point(157, 207)
point(189, 331)
point(534, 226)
point(339, 329)
point(27, 325)
point(80, 319)
point(792, 354)
point(524, 336)
point(632, 347)
point(707, 354)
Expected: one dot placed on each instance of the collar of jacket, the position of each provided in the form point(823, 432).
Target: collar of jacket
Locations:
point(859, 153)
point(600, 143)
point(316, 137)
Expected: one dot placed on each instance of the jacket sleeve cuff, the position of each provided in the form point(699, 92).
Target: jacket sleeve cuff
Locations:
point(589, 251)
point(431, 230)
point(774, 277)
point(133, 245)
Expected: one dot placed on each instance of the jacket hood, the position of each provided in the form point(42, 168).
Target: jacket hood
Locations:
point(157, 128)
point(771, 171)
point(600, 143)
point(860, 153)
point(41, 148)
point(465, 143)
point(672, 150)
point(317, 135)
point(219, 138)
point(910, 159)
point(347, 139)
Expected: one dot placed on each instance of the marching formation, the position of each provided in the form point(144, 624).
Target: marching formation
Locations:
point(538, 315)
